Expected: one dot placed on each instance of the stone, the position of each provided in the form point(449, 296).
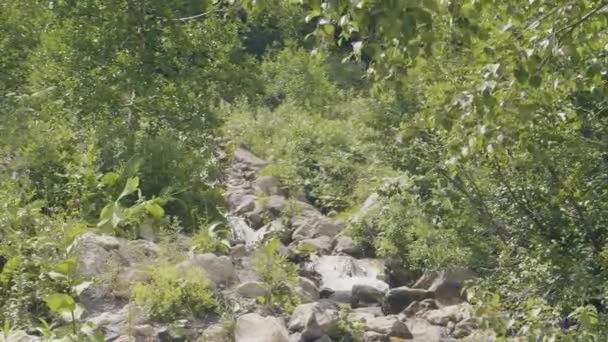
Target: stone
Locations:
point(307, 290)
point(314, 320)
point(340, 273)
point(314, 225)
point(255, 328)
point(444, 315)
point(324, 338)
point(267, 185)
point(389, 325)
point(216, 332)
point(465, 328)
point(423, 331)
point(246, 205)
point(366, 295)
point(372, 336)
point(124, 280)
point(251, 289)
point(419, 308)
point(344, 245)
point(399, 298)
point(276, 204)
point(320, 245)
point(21, 336)
point(238, 252)
point(364, 314)
point(398, 275)
point(219, 270)
point(447, 285)
point(244, 156)
point(237, 197)
point(97, 253)
point(113, 323)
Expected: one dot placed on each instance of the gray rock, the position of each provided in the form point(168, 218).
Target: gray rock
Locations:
point(251, 289)
point(267, 185)
point(366, 295)
point(341, 273)
point(364, 314)
point(320, 245)
point(255, 328)
point(314, 320)
point(465, 328)
point(400, 298)
point(447, 314)
point(447, 285)
point(238, 251)
point(218, 269)
point(216, 333)
point(372, 336)
point(21, 336)
point(390, 326)
point(324, 338)
point(307, 290)
point(344, 245)
point(247, 204)
point(244, 156)
point(423, 331)
point(276, 204)
point(314, 225)
point(97, 253)
point(418, 308)
point(126, 278)
point(235, 198)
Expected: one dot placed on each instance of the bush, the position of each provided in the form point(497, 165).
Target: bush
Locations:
point(278, 274)
point(171, 294)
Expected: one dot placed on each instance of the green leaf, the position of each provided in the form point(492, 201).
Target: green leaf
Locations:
point(59, 302)
point(155, 210)
point(66, 267)
point(130, 187)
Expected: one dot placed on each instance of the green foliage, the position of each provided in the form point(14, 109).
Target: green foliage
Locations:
point(171, 294)
point(213, 238)
point(278, 274)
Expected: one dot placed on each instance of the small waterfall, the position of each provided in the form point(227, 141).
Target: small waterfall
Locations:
point(242, 231)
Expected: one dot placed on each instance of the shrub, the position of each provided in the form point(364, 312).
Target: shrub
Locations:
point(171, 294)
point(278, 274)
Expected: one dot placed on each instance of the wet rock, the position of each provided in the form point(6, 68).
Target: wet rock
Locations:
point(314, 320)
point(366, 295)
point(344, 245)
point(251, 289)
point(341, 273)
point(255, 328)
point(400, 298)
point(218, 269)
point(388, 325)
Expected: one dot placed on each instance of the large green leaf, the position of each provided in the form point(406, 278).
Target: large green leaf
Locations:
point(60, 303)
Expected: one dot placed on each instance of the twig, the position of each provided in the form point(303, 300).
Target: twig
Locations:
point(198, 16)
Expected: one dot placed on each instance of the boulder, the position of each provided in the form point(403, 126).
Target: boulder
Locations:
point(216, 332)
point(113, 323)
point(418, 308)
point(126, 278)
point(267, 185)
point(20, 336)
point(340, 273)
point(364, 314)
point(314, 225)
point(320, 245)
point(423, 331)
point(465, 328)
point(447, 285)
point(244, 156)
point(372, 336)
point(344, 245)
point(314, 320)
point(251, 289)
point(307, 290)
point(366, 295)
point(218, 269)
point(255, 328)
point(400, 298)
point(276, 204)
point(388, 325)
point(97, 253)
point(445, 315)
point(247, 204)
point(237, 197)
point(238, 252)
point(324, 338)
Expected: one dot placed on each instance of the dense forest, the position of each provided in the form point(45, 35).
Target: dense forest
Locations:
point(225, 170)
